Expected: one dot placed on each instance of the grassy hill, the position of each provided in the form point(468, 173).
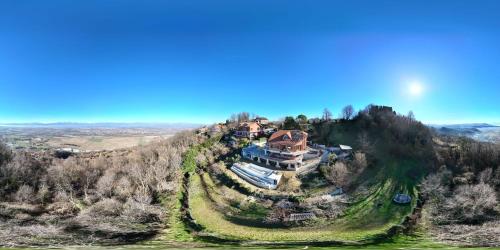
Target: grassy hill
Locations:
point(399, 152)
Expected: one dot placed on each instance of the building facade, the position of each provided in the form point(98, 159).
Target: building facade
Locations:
point(285, 149)
point(261, 120)
point(248, 130)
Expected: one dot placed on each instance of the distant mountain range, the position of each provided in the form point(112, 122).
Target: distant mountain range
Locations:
point(478, 131)
point(463, 126)
point(102, 125)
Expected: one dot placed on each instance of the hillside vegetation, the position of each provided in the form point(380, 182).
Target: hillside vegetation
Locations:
point(105, 197)
point(183, 190)
point(397, 150)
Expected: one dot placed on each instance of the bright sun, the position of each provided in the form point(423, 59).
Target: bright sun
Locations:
point(416, 88)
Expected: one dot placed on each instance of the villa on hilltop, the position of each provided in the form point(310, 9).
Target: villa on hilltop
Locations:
point(248, 130)
point(285, 149)
point(261, 120)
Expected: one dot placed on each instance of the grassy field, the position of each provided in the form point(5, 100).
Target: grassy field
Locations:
point(203, 209)
point(97, 143)
point(371, 214)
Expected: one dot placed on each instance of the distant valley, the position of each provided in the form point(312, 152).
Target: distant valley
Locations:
point(479, 131)
point(84, 137)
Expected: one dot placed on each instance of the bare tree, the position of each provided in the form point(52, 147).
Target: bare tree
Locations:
point(347, 112)
point(25, 193)
point(105, 184)
point(411, 116)
point(471, 203)
point(432, 187)
point(243, 117)
point(486, 175)
point(327, 115)
point(338, 174)
point(359, 162)
point(5, 154)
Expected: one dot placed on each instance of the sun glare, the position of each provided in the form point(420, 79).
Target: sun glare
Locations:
point(416, 88)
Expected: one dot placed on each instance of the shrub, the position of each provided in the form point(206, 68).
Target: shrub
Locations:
point(289, 183)
point(472, 203)
point(435, 186)
point(105, 207)
point(338, 174)
point(139, 213)
point(5, 154)
point(43, 194)
point(25, 193)
point(359, 162)
point(124, 188)
point(105, 183)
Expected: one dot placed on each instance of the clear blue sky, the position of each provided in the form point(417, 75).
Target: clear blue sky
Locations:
point(200, 61)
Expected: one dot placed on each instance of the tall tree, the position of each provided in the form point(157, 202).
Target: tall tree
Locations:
point(411, 116)
point(327, 115)
point(290, 123)
point(302, 119)
point(347, 112)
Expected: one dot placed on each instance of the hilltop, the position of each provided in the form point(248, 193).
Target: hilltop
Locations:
point(338, 188)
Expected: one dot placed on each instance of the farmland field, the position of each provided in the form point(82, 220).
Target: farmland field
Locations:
point(86, 137)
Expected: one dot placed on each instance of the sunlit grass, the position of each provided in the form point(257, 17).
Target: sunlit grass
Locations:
point(203, 211)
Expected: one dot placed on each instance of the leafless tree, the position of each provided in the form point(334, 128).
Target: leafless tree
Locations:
point(327, 115)
point(338, 174)
point(411, 116)
point(486, 175)
point(359, 162)
point(347, 112)
point(25, 194)
point(105, 184)
point(432, 187)
point(471, 203)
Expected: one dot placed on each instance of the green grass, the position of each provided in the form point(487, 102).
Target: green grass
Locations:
point(205, 213)
point(368, 217)
point(254, 211)
point(175, 230)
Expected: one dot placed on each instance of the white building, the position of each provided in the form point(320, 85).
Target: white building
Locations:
point(259, 176)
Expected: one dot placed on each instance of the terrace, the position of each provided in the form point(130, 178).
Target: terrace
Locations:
point(278, 160)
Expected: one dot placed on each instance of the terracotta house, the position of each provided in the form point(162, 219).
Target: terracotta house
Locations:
point(261, 120)
point(285, 149)
point(248, 130)
point(288, 141)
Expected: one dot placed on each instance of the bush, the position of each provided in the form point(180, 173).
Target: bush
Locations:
point(140, 213)
point(435, 186)
point(359, 162)
point(472, 204)
point(43, 194)
point(5, 154)
point(105, 207)
point(104, 185)
point(289, 183)
point(25, 194)
point(124, 188)
point(338, 174)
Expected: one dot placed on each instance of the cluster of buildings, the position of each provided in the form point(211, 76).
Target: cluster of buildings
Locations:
point(283, 150)
point(254, 128)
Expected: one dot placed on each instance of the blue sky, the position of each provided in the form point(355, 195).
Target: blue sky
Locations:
point(200, 61)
